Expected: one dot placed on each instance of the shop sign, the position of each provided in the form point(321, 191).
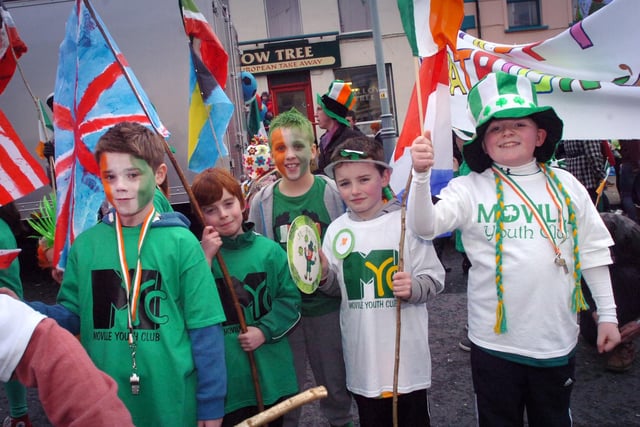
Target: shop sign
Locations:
point(291, 56)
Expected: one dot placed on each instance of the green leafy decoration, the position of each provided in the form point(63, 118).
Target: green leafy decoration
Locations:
point(44, 220)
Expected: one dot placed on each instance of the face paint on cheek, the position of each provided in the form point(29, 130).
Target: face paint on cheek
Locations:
point(279, 154)
point(278, 159)
point(107, 187)
point(147, 185)
point(304, 157)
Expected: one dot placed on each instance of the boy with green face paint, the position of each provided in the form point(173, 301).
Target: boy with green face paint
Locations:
point(273, 209)
point(148, 317)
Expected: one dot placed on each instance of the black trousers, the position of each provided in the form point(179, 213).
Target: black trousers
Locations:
point(413, 410)
point(504, 390)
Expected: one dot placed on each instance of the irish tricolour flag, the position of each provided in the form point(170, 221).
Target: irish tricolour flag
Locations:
point(430, 26)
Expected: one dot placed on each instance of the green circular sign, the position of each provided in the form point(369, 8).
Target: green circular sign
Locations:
point(303, 247)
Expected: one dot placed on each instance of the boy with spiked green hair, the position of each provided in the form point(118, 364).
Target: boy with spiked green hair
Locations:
point(273, 210)
point(531, 233)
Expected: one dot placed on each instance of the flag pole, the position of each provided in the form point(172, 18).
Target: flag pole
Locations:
point(194, 205)
point(403, 232)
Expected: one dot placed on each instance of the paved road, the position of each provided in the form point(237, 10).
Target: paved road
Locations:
point(600, 398)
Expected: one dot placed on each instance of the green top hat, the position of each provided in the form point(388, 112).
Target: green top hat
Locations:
point(338, 100)
point(505, 96)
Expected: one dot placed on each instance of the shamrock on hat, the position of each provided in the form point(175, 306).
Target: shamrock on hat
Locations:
point(501, 95)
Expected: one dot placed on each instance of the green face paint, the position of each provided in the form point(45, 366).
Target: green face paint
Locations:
point(147, 183)
point(129, 184)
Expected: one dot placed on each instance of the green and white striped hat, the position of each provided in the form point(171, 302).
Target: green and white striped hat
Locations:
point(505, 96)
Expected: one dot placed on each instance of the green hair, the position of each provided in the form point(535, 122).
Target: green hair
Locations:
point(292, 119)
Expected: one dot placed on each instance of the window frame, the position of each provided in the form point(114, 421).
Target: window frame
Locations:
point(343, 14)
point(293, 32)
point(511, 26)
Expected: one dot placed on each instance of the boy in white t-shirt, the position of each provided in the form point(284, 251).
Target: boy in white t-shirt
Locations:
point(531, 233)
point(362, 249)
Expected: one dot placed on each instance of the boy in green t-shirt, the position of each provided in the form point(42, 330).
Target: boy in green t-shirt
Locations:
point(270, 300)
point(273, 209)
point(138, 290)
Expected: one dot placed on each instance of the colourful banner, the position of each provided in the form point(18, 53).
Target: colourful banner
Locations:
point(589, 73)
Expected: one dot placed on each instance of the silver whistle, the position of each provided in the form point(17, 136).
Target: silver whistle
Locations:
point(134, 380)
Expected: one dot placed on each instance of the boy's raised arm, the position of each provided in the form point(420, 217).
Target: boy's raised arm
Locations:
point(420, 192)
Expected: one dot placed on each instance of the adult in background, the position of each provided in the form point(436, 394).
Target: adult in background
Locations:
point(629, 182)
point(625, 281)
point(353, 120)
point(585, 161)
point(331, 115)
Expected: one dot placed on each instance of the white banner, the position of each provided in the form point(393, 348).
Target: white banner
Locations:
point(589, 73)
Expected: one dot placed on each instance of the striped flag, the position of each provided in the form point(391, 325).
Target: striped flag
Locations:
point(45, 128)
point(434, 85)
point(430, 25)
point(11, 47)
point(210, 109)
point(95, 89)
point(205, 42)
point(20, 173)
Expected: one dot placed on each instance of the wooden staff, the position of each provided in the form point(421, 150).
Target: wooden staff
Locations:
point(194, 204)
point(282, 408)
point(403, 231)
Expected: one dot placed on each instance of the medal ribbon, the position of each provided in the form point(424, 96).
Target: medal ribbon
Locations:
point(132, 286)
point(536, 214)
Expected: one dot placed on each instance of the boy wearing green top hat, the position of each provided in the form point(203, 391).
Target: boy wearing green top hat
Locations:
point(331, 114)
point(531, 233)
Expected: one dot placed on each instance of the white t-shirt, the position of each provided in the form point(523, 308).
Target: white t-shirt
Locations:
point(537, 293)
point(17, 323)
point(368, 310)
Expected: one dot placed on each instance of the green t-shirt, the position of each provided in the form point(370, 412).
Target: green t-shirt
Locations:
point(177, 294)
point(10, 277)
point(271, 302)
point(285, 210)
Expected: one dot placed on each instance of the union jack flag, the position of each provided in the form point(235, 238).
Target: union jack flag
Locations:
point(95, 89)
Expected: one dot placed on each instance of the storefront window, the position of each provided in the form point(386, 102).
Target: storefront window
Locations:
point(364, 80)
